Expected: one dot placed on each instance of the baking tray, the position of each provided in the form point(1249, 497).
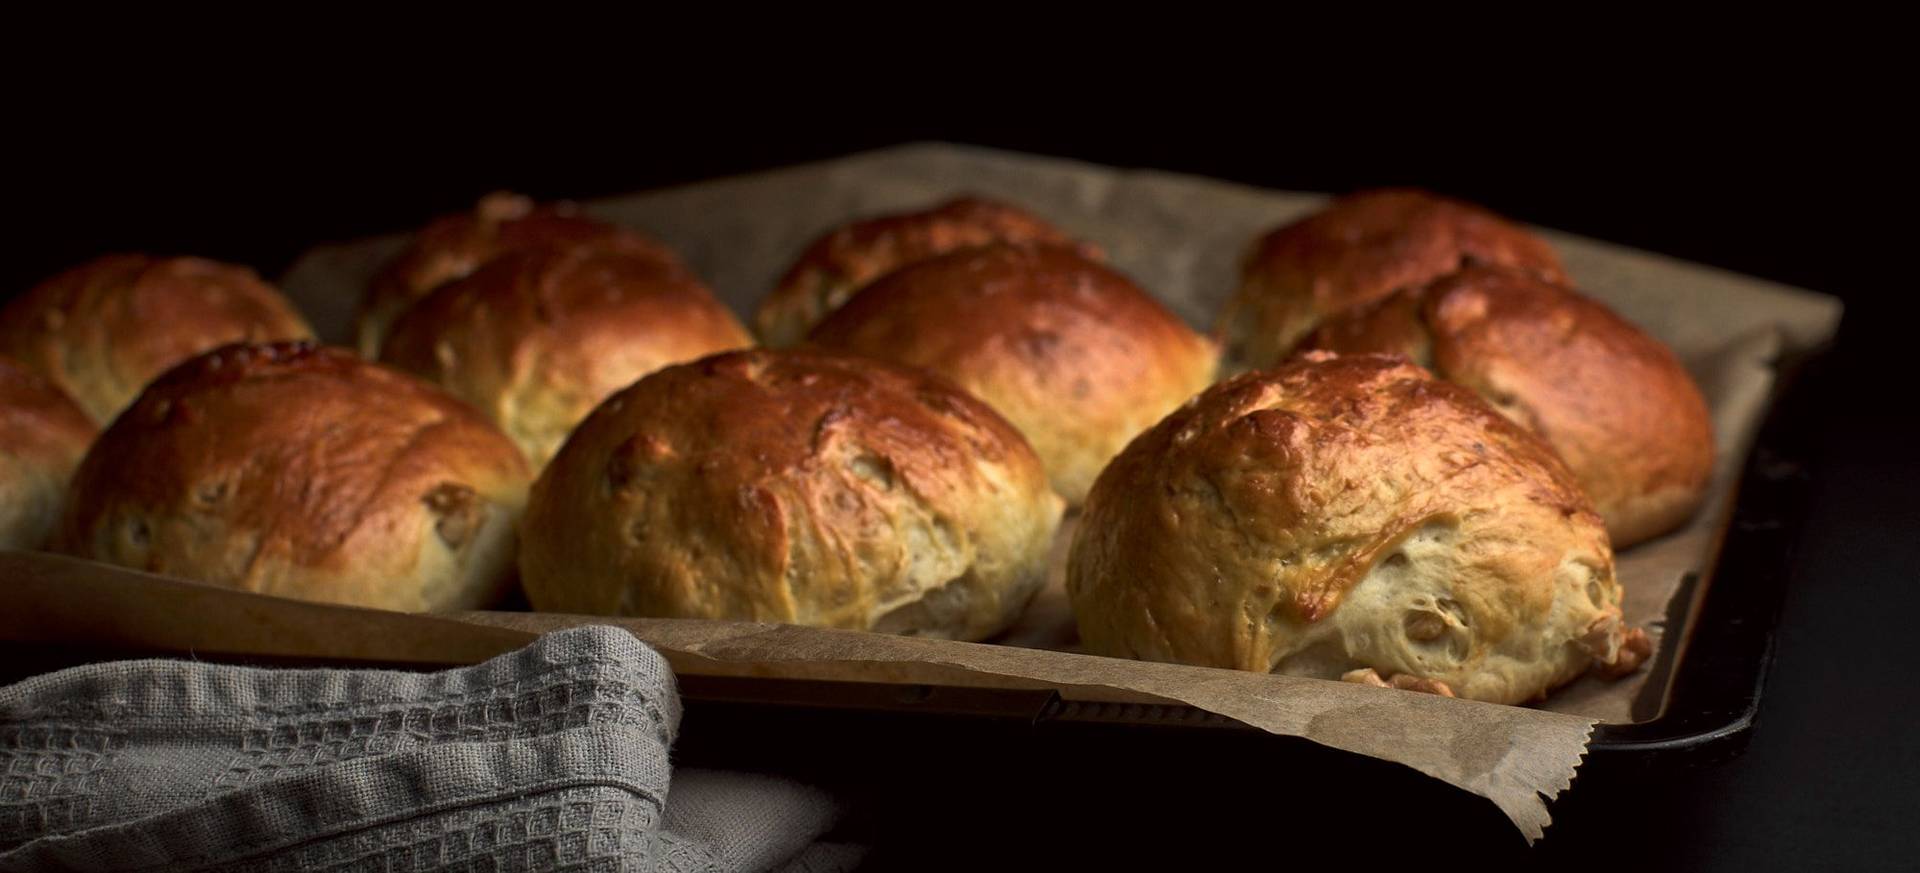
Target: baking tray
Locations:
point(1079, 765)
point(851, 737)
point(1701, 691)
point(1708, 676)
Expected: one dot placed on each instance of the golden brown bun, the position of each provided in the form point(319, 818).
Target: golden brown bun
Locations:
point(103, 330)
point(536, 339)
point(42, 436)
point(1073, 353)
point(1349, 517)
point(844, 261)
point(1361, 248)
point(1613, 402)
point(793, 486)
point(305, 472)
point(453, 246)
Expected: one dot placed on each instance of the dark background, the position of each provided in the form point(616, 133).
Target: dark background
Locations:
point(1780, 177)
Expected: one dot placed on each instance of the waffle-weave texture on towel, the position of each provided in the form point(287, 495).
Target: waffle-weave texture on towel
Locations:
point(550, 758)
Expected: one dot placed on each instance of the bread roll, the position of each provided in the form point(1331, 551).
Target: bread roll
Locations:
point(1350, 517)
point(1360, 248)
point(101, 331)
point(301, 471)
point(42, 436)
point(536, 339)
point(845, 260)
point(1074, 354)
point(1613, 402)
point(454, 246)
point(793, 486)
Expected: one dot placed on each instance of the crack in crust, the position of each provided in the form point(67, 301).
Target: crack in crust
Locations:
point(1342, 513)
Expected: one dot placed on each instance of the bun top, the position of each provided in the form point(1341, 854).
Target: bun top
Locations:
point(536, 339)
point(757, 413)
point(454, 246)
point(299, 470)
point(843, 261)
point(1344, 512)
point(1360, 248)
point(794, 485)
point(1074, 354)
point(102, 330)
point(1338, 456)
point(1612, 401)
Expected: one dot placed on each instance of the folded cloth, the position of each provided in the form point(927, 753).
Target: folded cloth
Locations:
point(554, 757)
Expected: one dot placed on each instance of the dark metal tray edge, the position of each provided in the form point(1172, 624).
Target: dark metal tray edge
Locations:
point(1713, 699)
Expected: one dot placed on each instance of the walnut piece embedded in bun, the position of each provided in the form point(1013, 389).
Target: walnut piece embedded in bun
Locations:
point(306, 472)
point(1350, 517)
point(42, 437)
point(793, 486)
point(843, 261)
point(453, 246)
point(1613, 402)
point(101, 331)
point(1358, 249)
point(536, 339)
point(1073, 353)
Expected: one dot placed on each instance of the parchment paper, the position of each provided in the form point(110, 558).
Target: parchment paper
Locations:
point(1507, 754)
point(1181, 238)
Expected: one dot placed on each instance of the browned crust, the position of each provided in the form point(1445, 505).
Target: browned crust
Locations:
point(293, 469)
point(1360, 248)
point(38, 421)
point(454, 246)
point(1613, 402)
point(102, 330)
point(796, 486)
point(1232, 530)
point(1300, 446)
point(536, 339)
point(841, 262)
point(1073, 353)
point(43, 434)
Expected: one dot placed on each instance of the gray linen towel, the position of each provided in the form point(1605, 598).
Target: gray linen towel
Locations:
point(554, 757)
